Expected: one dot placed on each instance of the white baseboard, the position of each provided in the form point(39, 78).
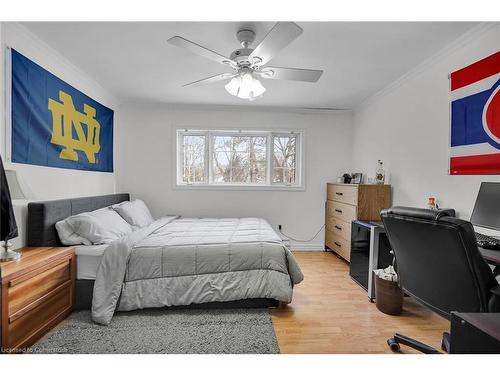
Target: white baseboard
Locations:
point(301, 246)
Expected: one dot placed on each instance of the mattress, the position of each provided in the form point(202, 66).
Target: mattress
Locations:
point(88, 259)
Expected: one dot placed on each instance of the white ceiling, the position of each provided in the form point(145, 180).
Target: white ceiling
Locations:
point(134, 61)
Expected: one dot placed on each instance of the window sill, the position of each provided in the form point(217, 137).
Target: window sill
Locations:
point(240, 187)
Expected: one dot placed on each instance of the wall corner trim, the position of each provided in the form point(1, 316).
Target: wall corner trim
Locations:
point(43, 47)
point(469, 36)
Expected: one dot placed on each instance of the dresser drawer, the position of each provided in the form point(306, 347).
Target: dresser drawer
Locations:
point(342, 211)
point(339, 227)
point(338, 244)
point(343, 193)
point(25, 329)
point(31, 287)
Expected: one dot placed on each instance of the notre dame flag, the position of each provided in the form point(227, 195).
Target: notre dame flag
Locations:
point(55, 125)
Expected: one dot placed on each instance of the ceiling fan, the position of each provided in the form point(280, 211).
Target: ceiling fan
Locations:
point(249, 64)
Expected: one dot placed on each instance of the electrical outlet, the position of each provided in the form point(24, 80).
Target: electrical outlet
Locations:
point(279, 227)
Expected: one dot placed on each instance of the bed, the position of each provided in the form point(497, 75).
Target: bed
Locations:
point(172, 262)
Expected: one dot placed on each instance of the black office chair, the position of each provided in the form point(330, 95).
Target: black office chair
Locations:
point(439, 264)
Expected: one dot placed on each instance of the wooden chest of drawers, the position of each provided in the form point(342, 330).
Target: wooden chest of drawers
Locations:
point(36, 293)
point(348, 202)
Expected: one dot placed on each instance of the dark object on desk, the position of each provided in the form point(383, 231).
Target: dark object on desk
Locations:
point(486, 212)
point(475, 333)
point(487, 242)
point(347, 178)
point(490, 245)
point(440, 265)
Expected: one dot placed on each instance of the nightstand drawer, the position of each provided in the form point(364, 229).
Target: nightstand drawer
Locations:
point(33, 286)
point(26, 328)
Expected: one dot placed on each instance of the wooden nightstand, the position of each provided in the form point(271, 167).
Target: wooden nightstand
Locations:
point(37, 292)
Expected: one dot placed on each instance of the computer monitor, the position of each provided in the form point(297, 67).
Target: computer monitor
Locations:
point(486, 211)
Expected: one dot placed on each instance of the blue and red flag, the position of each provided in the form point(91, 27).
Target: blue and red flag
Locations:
point(475, 118)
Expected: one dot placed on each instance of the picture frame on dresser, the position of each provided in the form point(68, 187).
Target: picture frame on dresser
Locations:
point(357, 178)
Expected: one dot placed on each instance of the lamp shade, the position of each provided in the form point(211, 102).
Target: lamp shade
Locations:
point(233, 87)
point(8, 225)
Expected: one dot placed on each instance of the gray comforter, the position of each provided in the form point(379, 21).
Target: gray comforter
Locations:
point(183, 261)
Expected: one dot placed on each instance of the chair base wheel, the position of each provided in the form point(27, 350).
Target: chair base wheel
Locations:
point(445, 342)
point(393, 345)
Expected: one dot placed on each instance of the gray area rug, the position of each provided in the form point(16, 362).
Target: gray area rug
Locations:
point(164, 331)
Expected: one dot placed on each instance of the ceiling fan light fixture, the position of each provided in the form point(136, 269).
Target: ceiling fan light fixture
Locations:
point(245, 86)
point(233, 87)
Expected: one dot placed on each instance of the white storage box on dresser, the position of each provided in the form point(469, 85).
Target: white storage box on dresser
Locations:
point(346, 203)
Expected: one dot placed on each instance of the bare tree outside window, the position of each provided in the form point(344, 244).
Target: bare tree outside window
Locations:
point(284, 159)
point(239, 159)
point(193, 163)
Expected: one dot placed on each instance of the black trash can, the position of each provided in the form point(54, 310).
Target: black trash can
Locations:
point(388, 296)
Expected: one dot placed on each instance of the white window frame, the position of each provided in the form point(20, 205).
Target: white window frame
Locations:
point(269, 134)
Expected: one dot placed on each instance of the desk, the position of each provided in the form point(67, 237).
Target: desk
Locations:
point(477, 333)
point(491, 256)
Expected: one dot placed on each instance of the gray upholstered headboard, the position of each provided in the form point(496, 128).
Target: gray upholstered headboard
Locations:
point(42, 216)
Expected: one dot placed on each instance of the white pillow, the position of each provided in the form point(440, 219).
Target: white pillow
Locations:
point(68, 236)
point(134, 212)
point(99, 226)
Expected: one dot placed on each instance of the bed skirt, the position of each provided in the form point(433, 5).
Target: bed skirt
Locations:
point(84, 290)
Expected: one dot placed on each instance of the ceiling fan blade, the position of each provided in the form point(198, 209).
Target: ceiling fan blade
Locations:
point(281, 35)
point(200, 50)
point(292, 74)
point(218, 77)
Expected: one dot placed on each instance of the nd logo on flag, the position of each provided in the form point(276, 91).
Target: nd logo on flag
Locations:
point(475, 118)
point(55, 125)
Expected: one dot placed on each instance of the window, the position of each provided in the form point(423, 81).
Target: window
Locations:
point(239, 158)
point(193, 158)
point(284, 158)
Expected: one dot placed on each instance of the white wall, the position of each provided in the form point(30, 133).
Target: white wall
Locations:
point(40, 183)
point(408, 124)
point(144, 165)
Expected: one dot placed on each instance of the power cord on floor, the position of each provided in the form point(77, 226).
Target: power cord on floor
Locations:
point(296, 240)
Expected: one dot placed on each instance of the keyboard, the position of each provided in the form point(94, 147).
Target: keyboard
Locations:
point(487, 242)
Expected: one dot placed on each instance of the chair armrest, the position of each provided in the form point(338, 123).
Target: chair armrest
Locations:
point(495, 290)
point(494, 303)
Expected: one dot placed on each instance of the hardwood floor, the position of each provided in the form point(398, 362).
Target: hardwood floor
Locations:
point(330, 313)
